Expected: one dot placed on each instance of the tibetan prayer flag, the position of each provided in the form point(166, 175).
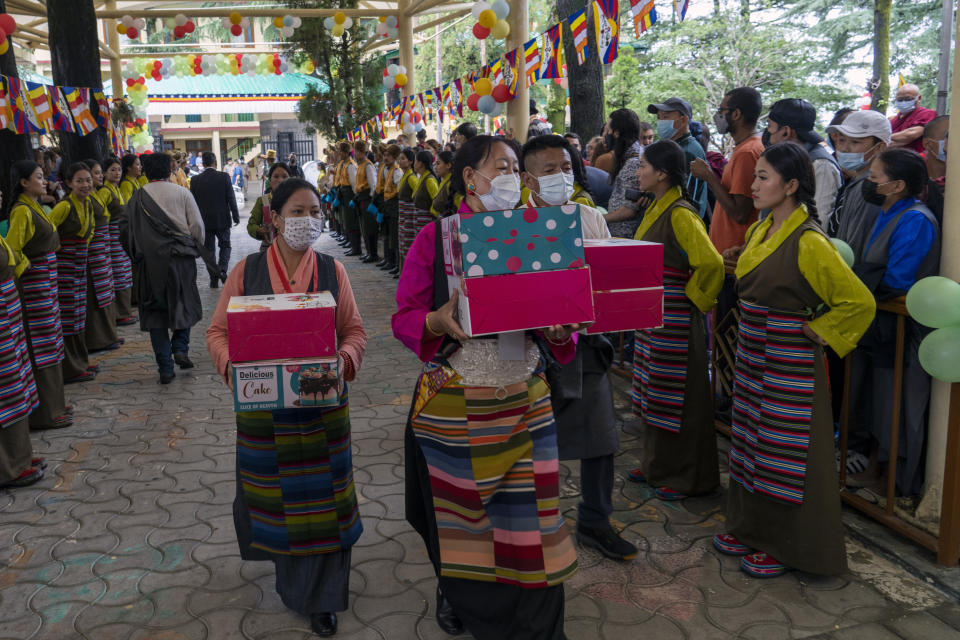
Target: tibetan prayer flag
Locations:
point(511, 70)
point(578, 27)
point(494, 71)
point(680, 7)
point(531, 55)
point(644, 15)
point(6, 117)
point(902, 81)
point(61, 110)
point(438, 101)
point(39, 110)
point(606, 24)
point(456, 97)
point(551, 60)
point(103, 117)
point(79, 101)
point(18, 106)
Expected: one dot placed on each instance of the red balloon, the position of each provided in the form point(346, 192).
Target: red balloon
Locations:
point(276, 62)
point(236, 30)
point(178, 32)
point(472, 101)
point(501, 93)
point(189, 27)
point(480, 32)
point(129, 125)
point(140, 122)
point(131, 82)
point(148, 152)
point(157, 64)
point(141, 80)
point(7, 24)
point(278, 72)
point(132, 33)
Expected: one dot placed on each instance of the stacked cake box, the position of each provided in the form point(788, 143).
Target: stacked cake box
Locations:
point(627, 278)
point(283, 349)
point(517, 270)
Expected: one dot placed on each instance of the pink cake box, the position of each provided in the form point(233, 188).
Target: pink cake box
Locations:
point(521, 301)
point(620, 263)
point(627, 310)
point(281, 326)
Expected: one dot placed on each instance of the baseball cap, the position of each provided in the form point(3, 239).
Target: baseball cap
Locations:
point(797, 114)
point(863, 124)
point(672, 104)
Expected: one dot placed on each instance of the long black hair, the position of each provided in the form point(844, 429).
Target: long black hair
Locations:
point(126, 162)
point(286, 189)
point(21, 170)
point(906, 165)
point(668, 156)
point(472, 154)
point(792, 162)
point(627, 124)
point(109, 162)
point(426, 159)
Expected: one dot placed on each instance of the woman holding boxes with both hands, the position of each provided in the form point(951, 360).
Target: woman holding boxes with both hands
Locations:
point(487, 511)
point(313, 559)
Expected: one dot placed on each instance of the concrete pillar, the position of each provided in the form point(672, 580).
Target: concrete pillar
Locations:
point(215, 141)
point(940, 408)
point(113, 39)
point(518, 109)
point(405, 38)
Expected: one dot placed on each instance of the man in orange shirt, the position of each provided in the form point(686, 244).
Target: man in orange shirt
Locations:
point(734, 212)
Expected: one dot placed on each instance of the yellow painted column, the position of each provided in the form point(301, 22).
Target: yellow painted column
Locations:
point(405, 38)
point(518, 109)
point(113, 39)
point(950, 268)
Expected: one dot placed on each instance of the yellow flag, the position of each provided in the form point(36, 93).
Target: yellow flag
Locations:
point(902, 82)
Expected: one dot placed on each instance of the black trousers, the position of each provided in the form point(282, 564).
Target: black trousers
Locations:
point(219, 237)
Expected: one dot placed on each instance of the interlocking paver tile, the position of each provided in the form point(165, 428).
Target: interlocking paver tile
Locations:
point(131, 534)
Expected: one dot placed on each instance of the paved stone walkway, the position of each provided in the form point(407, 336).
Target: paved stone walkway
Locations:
point(131, 535)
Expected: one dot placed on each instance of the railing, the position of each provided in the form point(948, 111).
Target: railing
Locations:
point(303, 147)
point(946, 544)
point(242, 148)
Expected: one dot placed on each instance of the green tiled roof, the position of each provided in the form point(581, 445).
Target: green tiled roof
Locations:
point(288, 84)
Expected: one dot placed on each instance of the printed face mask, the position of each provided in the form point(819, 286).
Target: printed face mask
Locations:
point(504, 192)
point(300, 233)
point(556, 188)
point(906, 106)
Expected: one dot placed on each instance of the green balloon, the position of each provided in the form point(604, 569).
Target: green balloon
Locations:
point(846, 252)
point(935, 302)
point(940, 354)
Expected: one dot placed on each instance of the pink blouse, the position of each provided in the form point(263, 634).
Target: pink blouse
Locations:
point(415, 299)
point(351, 337)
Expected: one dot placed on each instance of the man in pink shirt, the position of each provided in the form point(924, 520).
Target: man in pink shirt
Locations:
point(908, 124)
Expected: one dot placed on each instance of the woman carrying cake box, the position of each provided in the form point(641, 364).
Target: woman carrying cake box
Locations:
point(312, 559)
point(482, 483)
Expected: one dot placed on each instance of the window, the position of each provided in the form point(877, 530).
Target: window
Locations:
point(194, 117)
point(246, 117)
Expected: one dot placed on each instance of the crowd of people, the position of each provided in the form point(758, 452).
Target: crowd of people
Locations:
point(746, 237)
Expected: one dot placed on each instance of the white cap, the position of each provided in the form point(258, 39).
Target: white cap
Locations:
point(863, 124)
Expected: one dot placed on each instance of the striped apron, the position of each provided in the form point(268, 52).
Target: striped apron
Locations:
point(772, 402)
point(41, 309)
point(72, 269)
point(407, 216)
point(119, 260)
point(18, 390)
point(98, 260)
point(660, 362)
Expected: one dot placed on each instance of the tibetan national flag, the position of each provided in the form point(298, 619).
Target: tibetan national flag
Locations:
point(531, 55)
point(578, 27)
point(902, 81)
point(103, 117)
point(606, 24)
point(19, 107)
point(61, 110)
point(456, 97)
point(79, 101)
point(511, 70)
point(40, 112)
point(438, 102)
point(551, 59)
point(680, 8)
point(6, 117)
point(644, 15)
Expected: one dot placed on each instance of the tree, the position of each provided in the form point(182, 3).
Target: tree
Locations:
point(585, 80)
point(354, 91)
point(621, 87)
point(13, 147)
point(881, 54)
point(75, 59)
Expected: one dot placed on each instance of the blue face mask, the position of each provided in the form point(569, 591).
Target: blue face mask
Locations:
point(850, 161)
point(666, 130)
point(905, 106)
point(942, 150)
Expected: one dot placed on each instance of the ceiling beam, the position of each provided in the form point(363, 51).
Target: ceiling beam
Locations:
point(26, 7)
point(423, 27)
point(222, 12)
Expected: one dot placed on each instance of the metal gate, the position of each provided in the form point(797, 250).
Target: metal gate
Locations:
point(285, 144)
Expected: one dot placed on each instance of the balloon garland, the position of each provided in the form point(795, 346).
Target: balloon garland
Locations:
point(388, 27)
point(287, 24)
point(394, 76)
point(186, 66)
point(935, 302)
point(338, 23)
point(131, 27)
point(491, 19)
point(235, 23)
point(7, 26)
point(181, 26)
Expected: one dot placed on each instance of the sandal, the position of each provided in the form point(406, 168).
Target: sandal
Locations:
point(86, 376)
point(668, 495)
point(38, 462)
point(25, 479)
point(729, 545)
point(762, 565)
point(636, 475)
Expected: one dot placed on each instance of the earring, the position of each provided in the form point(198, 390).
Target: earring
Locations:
point(471, 187)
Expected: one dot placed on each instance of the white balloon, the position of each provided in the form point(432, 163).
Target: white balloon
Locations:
point(348, 22)
point(478, 8)
point(127, 21)
point(329, 22)
point(402, 69)
point(498, 109)
point(180, 19)
point(501, 8)
point(287, 32)
point(393, 69)
point(409, 129)
point(252, 72)
point(283, 67)
point(486, 103)
point(392, 22)
point(140, 23)
point(245, 23)
point(419, 126)
point(388, 82)
point(297, 22)
point(288, 21)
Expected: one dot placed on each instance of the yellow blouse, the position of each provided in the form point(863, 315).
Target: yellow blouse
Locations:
point(706, 265)
point(128, 186)
point(142, 180)
point(851, 305)
point(21, 228)
point(62, 211)
point(15, 259)
point(110, 192)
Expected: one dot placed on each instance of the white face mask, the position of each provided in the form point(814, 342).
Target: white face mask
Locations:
point(556, 188)
point(942, 150)
point(301, 232)
point(504, 192)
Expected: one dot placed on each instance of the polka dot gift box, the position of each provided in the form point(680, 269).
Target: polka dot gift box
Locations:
point(519, 241)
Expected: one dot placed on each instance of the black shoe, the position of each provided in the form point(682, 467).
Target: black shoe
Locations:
point(446, 617)
point(167, 378)
point(395, 271)
point(364, 257)
point(182, 361)
point(223, 276)
point(323, 624)
point(382, 263)
point(370, 259)
point(214, 283)
point(608, 541)
point(353, 252)
point(389, 266)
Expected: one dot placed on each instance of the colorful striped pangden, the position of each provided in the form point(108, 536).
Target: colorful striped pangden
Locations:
point(660, 358)
point(100, 267)
point(296, 470)
point(494, 477)
point(41, 310)
point(772, 403)
point(18, 390)
point(72, 284)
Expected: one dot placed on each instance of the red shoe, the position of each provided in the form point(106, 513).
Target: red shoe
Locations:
point(668, 495)
point(636, 475)
point(86, 376)
point(125, 322)
point(729, 545)
point(25, 479)
point(762, 565)
point(68, 409)
point(38, 462)
point(94, 368)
